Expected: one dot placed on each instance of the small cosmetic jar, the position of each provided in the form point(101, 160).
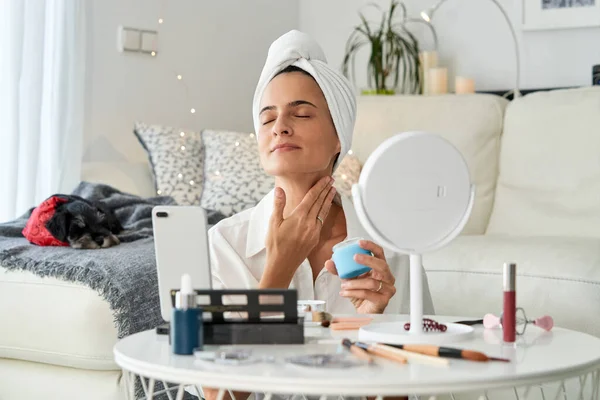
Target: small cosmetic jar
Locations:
point(343, 257)
point(305, 306)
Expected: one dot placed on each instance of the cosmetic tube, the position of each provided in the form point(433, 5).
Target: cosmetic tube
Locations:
point(509, 322)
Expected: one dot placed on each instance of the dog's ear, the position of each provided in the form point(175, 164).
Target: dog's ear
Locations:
point(58, 225)
point(113, 224)
point(79, 220)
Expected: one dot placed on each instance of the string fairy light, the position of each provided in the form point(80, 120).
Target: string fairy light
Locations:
point(178, 75)
point(188, 100)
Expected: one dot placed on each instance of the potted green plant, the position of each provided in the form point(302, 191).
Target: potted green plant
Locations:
point(393, 64)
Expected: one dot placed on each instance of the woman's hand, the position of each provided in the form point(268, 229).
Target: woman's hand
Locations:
point(371, 292)
point(291, 239)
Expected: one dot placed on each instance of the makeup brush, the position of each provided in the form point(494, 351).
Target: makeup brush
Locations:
point(341, 323)
point(381, 352)
point(358, 351)
point(347, 326)
point(447, 352)
point(321, 316)
point(413, 357)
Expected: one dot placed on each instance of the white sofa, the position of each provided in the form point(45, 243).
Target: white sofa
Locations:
point(536, 164)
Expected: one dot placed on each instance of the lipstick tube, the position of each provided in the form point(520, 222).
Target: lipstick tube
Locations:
point(509, 317)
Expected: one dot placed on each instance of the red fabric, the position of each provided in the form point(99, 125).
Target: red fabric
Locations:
point(35, 231)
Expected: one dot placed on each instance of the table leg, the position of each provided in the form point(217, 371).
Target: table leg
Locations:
point(180, 392)
point(131, 381)
point(150, 395)
point(168, 389)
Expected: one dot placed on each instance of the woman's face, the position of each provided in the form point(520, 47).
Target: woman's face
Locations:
point(296, 134)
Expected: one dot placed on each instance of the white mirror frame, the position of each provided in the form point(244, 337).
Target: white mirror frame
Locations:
point(415, 255)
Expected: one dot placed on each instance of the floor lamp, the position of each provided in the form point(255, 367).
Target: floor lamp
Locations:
point(427, 15)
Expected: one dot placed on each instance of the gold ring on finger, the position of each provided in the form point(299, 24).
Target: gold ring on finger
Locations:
point(320, 220)
point(380, 285)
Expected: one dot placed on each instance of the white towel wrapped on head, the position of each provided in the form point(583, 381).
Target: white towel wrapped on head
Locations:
point(299, 49)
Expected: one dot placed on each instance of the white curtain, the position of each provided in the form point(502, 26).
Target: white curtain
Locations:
point(42, 83)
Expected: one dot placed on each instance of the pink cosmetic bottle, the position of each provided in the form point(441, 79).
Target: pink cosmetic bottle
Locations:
point(509, 310)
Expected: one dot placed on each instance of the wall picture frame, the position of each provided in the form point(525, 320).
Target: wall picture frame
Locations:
point(560, 14)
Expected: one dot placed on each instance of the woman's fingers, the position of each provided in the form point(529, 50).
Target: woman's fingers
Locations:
point(326, 206)
point(375, 285)
point(313, 194)
point(319, 203)
point(376, 264)
point(330, 267)
point(373, 248)
point(365, 294)
point(323, 198)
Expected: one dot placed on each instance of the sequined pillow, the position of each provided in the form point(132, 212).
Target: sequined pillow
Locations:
point(347, 174)
point(234, 179)
point(177, 161)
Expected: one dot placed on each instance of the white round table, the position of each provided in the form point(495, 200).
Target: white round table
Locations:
point(543, 365)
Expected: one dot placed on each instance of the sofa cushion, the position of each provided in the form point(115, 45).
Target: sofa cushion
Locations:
point(55, 322)
point(234, 179)
point(556, 276)
point(473, 123)
point(549, 182)
point(176, 157)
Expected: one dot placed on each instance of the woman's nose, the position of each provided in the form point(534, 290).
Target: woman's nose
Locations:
point(282, 126)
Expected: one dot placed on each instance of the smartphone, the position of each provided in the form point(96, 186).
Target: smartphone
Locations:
point(181, 247)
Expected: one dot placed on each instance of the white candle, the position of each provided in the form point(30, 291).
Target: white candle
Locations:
point(464, 85)
point(438, 80)
point(429, 59)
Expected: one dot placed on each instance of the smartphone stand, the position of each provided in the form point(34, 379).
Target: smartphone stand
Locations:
point(242, 316)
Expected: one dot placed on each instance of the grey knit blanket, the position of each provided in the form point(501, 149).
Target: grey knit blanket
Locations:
point(124, 275)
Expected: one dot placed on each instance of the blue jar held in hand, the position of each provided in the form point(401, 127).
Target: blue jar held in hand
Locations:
point(343, 257)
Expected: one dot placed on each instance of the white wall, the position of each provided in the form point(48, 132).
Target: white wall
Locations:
point(474, 41)
point(219, 48)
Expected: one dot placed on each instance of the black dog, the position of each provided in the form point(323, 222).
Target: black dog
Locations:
point(84, 224)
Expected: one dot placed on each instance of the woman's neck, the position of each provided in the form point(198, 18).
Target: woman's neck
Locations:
point(295, 189)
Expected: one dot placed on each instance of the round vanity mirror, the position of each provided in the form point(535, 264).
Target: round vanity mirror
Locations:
point(414, 195)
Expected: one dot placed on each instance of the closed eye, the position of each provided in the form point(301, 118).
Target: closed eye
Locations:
point(268, 122)
point(302, 116)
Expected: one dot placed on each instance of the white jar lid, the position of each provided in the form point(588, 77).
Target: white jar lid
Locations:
point(347, 242)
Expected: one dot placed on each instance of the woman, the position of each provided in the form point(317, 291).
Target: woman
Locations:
point(304, 114)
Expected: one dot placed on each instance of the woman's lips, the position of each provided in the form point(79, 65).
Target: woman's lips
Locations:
point(285, 148)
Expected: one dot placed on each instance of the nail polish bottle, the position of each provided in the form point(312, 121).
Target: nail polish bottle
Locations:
point(509, 312)
point(186, 323)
